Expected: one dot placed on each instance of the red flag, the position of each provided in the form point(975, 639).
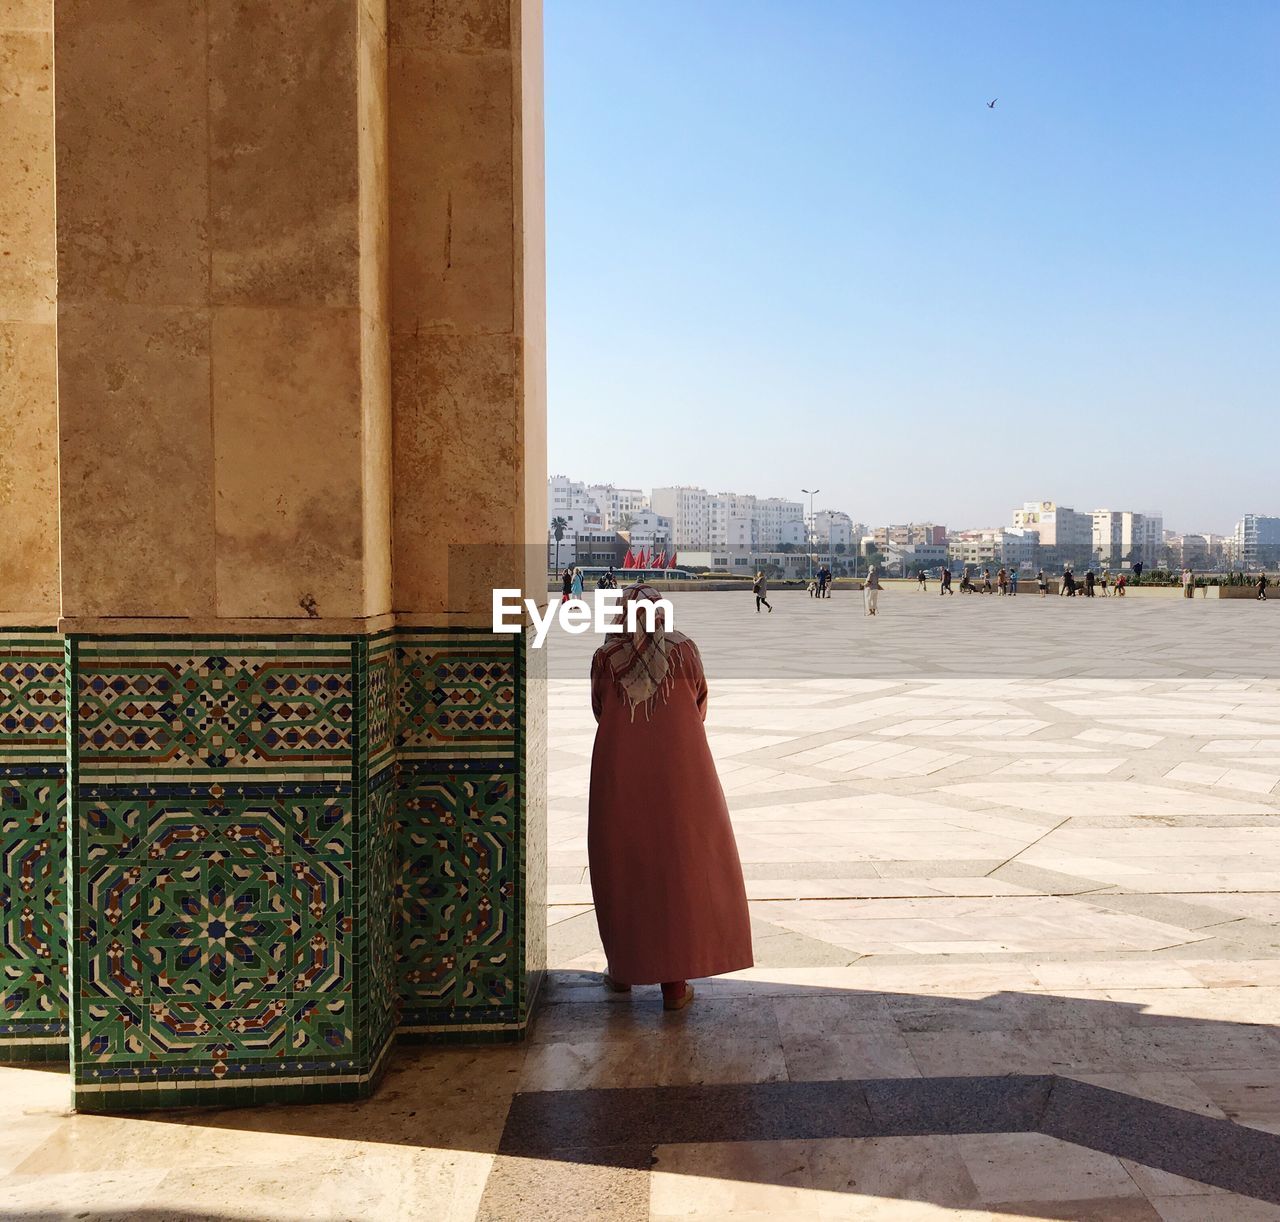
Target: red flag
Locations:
point(673, 561)
point(661, 562)
point(642, 560)
point(628, 561)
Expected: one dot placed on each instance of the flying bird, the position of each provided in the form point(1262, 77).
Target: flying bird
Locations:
point(991, 105)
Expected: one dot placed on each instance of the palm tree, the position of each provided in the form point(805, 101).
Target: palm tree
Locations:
point(558, 527)
point(624, 521)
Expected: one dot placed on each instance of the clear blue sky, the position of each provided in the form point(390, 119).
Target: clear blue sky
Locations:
point(789, 245)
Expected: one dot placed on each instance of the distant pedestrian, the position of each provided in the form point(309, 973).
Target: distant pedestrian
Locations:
point(1002, 580)
point(871, 592)
point(1262, 587)
point(986, 581)
point(966, 581)
point(761, 589)
point(1089, 581)
point(1013, 583)
point(566, 585)
point(945, 588)
point(1121, 582)
point(1068, 583)
point(1188, 584)
point(1042, 583)
point(923, 578)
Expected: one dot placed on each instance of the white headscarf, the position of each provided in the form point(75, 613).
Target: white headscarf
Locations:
point(643, 663)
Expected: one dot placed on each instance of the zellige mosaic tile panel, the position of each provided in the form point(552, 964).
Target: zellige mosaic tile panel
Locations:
point(33, 858)
point(221, 905)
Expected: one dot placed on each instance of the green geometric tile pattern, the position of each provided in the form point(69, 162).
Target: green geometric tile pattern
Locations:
point(455, 694)
point(459, 810)
point(33, 697)
point(221, 903)
point(283, 850)
point(33, 850)
point(200, 706)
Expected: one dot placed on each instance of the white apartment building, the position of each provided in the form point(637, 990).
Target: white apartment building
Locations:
point(1257, 541)
point(779, 521)
point(1006, 546)
point(1124, 537)
point(833, 529)
point(616, 504)
point(1151, 538)
point(1057, 525)
point(562, 493)
point(732, 519)
point(689, 510)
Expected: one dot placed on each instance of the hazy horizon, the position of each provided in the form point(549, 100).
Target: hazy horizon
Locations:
point(790, 245)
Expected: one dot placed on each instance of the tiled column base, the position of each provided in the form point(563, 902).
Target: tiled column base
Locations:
point(33, 855)
point(464, 823)
point(282, 851)
point(229, 870)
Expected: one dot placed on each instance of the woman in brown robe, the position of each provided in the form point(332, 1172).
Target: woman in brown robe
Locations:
point(665, 875)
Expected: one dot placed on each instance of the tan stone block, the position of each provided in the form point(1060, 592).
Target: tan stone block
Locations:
point(453, 236)
point(27, 240)
point(284, 168)
point(458, 464)
point(136, 460)
point(132, 152)
point(27, 15)
point(460, 25)
point(29, 469)
point(287, 428)
point(375, 12)
point(375, 220)
point(377, 465)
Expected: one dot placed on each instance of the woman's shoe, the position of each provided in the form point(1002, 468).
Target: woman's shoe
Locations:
point(615, 986)
point(677, 1001)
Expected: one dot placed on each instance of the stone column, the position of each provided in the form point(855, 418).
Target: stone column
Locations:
point(306, 799)
point(469, 418)
point(225, 502)
point(33, 973)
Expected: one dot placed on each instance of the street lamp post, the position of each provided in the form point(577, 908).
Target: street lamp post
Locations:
point(809, 534)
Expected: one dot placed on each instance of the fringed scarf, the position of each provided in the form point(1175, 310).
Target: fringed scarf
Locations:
point(643, 664)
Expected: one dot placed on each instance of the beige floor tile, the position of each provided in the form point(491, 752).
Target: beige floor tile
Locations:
point(1032, 1167)
point(732, 1180)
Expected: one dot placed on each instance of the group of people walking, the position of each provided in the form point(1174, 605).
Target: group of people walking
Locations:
point(820, 587)
point(1006, 583)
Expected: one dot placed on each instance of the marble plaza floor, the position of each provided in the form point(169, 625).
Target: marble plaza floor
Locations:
point(1015, 878)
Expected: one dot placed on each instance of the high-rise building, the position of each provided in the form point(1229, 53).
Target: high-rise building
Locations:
point(779, 521)
point(1122, 537)
point(689, 510)
point(1257, 541)
point(732, 519)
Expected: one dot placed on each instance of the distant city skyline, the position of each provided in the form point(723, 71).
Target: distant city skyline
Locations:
point(1001, 517)
point(790, 246)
